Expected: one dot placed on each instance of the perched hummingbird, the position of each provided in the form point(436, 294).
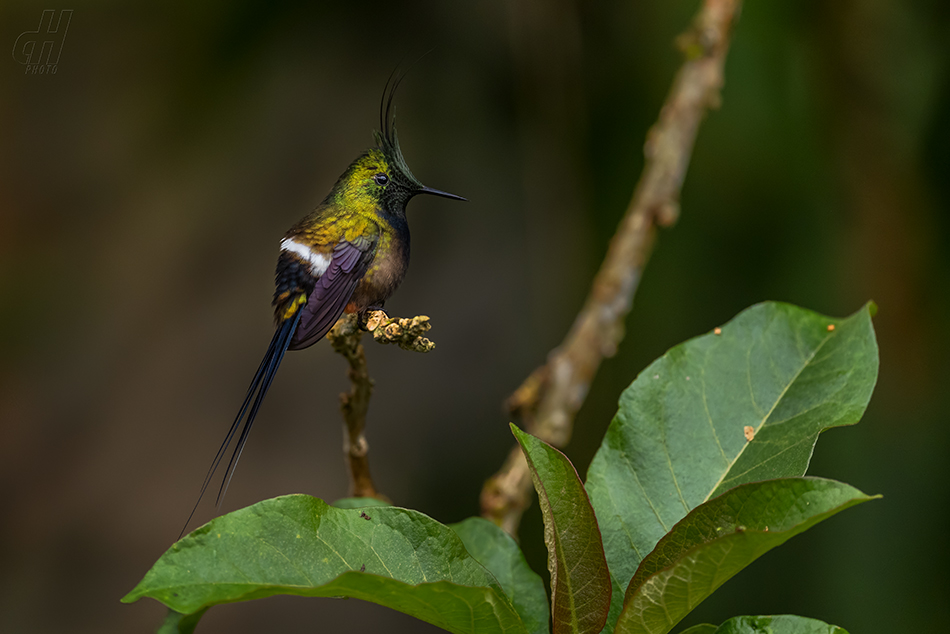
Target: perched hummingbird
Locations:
point(348, 255)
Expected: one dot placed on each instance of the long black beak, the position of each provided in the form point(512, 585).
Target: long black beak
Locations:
point(439, 192)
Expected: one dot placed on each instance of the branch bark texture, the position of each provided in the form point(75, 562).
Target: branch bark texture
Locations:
point(550, 397)
point(345, 338)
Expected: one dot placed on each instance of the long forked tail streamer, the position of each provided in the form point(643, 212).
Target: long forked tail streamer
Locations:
point(255, 392)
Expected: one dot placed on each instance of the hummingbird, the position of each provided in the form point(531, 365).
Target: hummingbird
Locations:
point(347, 256)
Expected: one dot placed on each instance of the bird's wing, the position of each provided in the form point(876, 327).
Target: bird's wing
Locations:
point(348, 264)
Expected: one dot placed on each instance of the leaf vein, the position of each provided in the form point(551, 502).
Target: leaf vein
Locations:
point(778, 400)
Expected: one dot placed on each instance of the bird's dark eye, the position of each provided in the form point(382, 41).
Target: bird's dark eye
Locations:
point(381, 179)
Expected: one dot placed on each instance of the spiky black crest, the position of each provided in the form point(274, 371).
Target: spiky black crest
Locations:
point(386, 115)
point(386, 139)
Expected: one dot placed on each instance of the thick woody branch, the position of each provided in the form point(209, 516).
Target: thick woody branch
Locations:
point(345, 338)
point(550, 397)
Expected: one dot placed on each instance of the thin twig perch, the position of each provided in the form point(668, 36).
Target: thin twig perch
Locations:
point(550, 397)
point(345, 338)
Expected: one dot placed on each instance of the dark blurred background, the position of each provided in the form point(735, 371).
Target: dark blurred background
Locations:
point(144, 188)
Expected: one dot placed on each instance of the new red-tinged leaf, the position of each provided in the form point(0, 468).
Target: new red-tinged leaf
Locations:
point(580, 583)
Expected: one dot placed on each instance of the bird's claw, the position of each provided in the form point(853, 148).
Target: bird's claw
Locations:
point(365, 320)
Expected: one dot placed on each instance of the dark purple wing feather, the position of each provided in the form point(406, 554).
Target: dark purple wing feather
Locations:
point(332, 291)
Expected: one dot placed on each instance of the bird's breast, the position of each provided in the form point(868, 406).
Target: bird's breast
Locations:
point(384, 274)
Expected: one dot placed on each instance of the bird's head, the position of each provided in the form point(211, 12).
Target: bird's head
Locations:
point(380, 177)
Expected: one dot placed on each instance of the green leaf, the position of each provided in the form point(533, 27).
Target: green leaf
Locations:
point(720, 538)
point(495, 549)
point(679, 438)
point(580, 583)
point(782, 624)
point(299, 545)
point(177, 623)
point(359, 503)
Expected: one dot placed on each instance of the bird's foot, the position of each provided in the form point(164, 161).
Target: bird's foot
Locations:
point(368, 322)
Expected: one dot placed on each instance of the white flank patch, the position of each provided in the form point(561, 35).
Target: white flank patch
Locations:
point(318, 262)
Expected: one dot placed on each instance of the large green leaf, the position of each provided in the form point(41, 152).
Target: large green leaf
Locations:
point(359, 503)
point(177, 623)
point(776, 373)
point(495, 549)
point(299, 545)
point(580, 583)
point(720, 538)
point(781, 624)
